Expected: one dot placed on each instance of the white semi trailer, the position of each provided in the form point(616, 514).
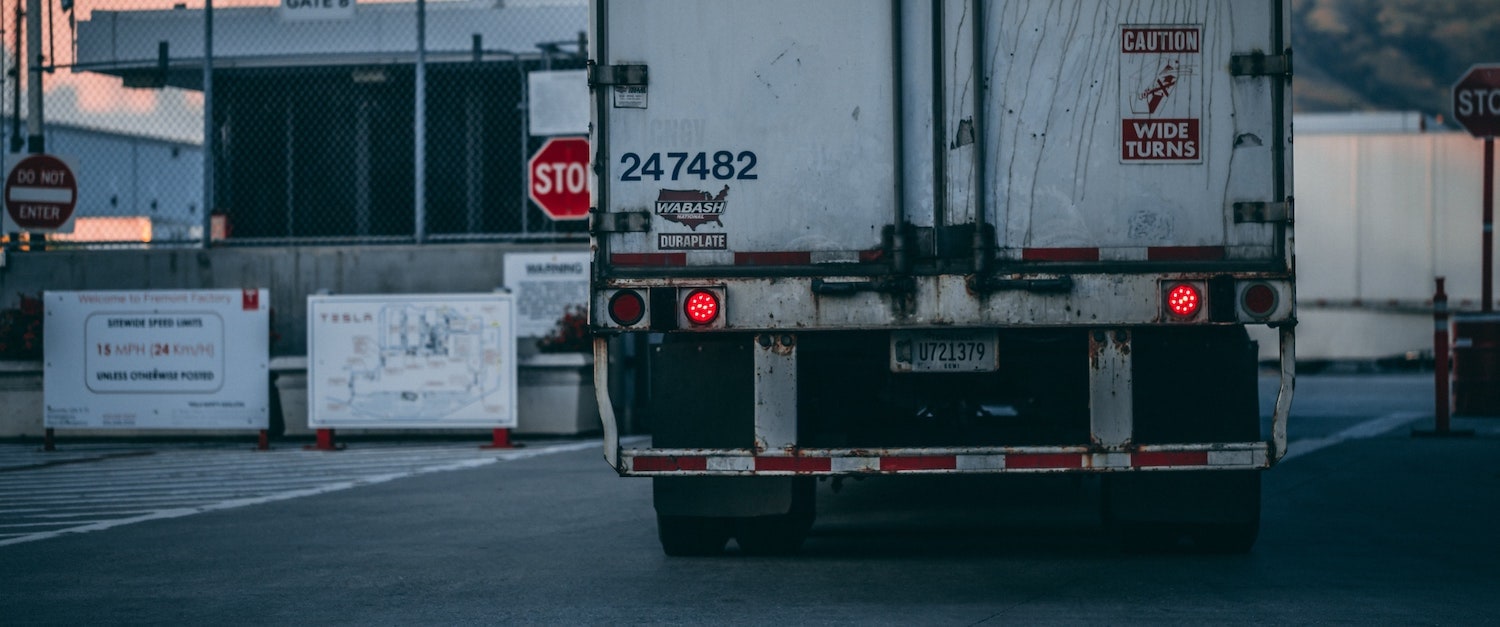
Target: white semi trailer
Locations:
point(943, 237)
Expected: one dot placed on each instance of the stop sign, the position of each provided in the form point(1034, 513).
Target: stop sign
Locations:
point(558, 178)
point(40, 193)
point(1476, 100)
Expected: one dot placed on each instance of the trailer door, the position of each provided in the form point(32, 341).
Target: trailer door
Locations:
point(762, 135)
point(1121, 131)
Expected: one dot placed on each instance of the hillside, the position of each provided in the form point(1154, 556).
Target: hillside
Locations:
point(1388, 54)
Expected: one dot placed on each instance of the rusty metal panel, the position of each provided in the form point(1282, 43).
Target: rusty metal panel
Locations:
point(1095, 300)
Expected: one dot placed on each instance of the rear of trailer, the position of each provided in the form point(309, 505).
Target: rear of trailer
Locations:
point(942, 237)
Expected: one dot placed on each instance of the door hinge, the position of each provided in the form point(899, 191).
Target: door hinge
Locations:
point(1263, 211)
point(619, 222)
point(1261, 64)
point(622, 75)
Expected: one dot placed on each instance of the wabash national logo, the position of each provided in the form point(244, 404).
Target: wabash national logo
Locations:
point(691, 207)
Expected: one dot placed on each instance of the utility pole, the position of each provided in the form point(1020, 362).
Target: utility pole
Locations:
point(419, 132)
point(208, 123)
point(34, 141)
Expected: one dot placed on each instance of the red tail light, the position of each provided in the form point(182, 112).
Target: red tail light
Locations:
point(1184, 300)
point(701, 307)
point(627, 307)
point(1259, 300)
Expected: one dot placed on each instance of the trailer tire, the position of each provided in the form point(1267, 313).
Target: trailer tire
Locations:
point(780, 534)
point(692, 536)
point(1231, 530)
point(1197, 386)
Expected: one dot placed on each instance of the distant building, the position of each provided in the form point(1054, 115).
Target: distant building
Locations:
point(1361, 122)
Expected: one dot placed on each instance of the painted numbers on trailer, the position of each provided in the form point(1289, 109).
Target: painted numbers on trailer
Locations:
point(722, 165)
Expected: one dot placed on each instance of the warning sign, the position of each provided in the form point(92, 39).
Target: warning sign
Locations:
point(1161, 94)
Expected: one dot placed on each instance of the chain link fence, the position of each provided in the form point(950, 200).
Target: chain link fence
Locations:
point(313, 118)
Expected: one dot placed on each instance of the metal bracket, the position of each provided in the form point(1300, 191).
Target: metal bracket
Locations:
point(619, 222)
point(887, 285)
point(986, 284)
point(1263, 211)
point(1261, 64)
point(616, 75)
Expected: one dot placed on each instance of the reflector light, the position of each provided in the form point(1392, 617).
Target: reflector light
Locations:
point(1183, 300)
point(701, 307)
point(1259, 300)
point(626, 307)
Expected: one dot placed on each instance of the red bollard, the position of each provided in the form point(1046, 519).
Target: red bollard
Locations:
point(1440, 360)
point(501, 440)
point(264, 442)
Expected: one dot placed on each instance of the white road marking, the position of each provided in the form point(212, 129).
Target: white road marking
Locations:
point(119, 490)
point(1363, 430)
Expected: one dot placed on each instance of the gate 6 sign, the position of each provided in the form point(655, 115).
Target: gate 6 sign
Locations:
point(40, 194)
point(558, 178)
point(1476, 100)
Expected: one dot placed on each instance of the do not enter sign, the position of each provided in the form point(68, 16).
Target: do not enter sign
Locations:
point(558, 178)
point(40, 194)
point(1476, 100)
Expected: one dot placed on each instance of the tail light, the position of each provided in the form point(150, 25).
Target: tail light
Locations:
point(1183, 301)
point(701, 307)
point(627, 307)
point(1259, 300)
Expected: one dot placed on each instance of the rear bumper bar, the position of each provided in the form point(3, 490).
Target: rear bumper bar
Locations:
point(782, 461)
point(987, 460)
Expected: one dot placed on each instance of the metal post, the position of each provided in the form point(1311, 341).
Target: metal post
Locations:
point(420, 130)
point(525, 108)
point(1487, 270)
point(208, 122)
point(1440, 355)
point(35, 144)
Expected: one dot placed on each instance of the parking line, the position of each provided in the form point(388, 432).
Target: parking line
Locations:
point(337, 485)
point(1363, 430)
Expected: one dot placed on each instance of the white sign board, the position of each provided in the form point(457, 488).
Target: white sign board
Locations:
point(1161, 93)
point(157, 359)
point(559, 102)
point(545, 285)
point(411, 361)
point(307, 10)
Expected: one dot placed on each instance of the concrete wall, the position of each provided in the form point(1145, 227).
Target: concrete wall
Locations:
point(291, 274)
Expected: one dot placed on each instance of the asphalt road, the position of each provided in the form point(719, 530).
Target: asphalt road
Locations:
point(1362, 524)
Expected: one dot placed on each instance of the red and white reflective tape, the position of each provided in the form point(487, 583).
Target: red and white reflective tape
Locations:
point(824, 462)
point(804, 258)
point(772, 258)
point(1150, 253)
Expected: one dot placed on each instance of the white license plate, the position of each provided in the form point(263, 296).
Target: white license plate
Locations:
point(945, 351)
